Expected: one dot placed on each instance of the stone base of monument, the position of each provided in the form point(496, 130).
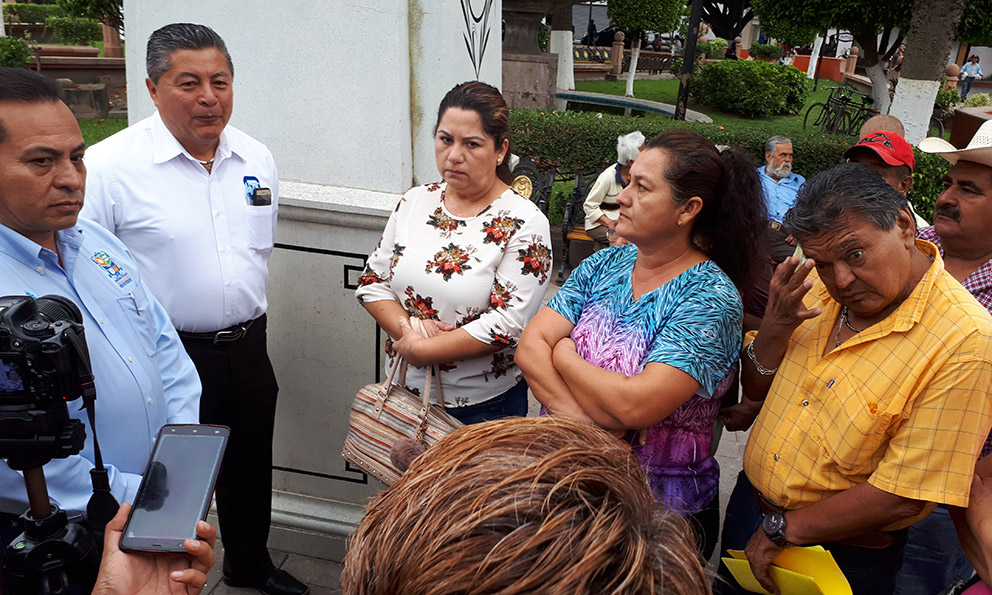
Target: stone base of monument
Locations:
point(529, 80)
point(88, 100)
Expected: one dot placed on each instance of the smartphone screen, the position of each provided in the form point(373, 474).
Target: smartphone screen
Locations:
point(176, 488)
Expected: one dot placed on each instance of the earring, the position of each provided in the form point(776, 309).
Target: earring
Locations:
point(679, 222)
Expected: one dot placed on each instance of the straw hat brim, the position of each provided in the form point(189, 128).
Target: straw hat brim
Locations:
point(979, 150)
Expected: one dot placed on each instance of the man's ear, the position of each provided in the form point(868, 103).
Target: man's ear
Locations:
point(906, 225)
point(905, 184)
point(152, 90)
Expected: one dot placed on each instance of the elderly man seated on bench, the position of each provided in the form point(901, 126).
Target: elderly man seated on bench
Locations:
point(601, 206)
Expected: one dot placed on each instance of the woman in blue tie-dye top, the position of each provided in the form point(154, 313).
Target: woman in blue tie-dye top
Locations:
point(642, 337)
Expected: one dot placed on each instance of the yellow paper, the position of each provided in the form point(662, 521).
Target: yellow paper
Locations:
point(796, 571)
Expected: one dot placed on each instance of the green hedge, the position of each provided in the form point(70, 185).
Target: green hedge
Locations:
point(765, 51)
point(583, 141)
point(76, 30)
point(14, 52)
point(712, 49)
point(31, 14)
point(751, 88)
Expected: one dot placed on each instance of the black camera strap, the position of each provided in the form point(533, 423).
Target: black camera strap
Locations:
point(102, 505)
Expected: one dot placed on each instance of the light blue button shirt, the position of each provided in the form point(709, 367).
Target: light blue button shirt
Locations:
point(781, 195)
point(144, 379)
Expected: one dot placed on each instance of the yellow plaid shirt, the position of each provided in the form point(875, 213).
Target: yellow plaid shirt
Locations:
point(904, 405)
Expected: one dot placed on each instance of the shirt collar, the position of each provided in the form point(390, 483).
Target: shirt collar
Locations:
point(979, 280)
point(907, 314)
point(30, 253)
point(619, 177)
point(166, 146)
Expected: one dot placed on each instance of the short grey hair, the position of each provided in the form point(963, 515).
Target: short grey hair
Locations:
point(629, 146)
point(776, 140)
point(180, 36)
point(847, 188)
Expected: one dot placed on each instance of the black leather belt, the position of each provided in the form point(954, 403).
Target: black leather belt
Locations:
point(608, 206)
point(230, 334)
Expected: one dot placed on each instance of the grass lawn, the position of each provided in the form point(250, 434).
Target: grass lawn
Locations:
point(668, 91)
point(95, 131)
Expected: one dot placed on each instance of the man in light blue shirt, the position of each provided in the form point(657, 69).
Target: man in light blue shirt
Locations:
point(970, 73)
point(780, 186)
point(144, 379)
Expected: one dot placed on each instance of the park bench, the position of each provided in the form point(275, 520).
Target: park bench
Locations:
point(573, 225)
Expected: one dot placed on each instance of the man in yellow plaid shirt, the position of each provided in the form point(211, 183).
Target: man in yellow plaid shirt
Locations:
point(875, 372)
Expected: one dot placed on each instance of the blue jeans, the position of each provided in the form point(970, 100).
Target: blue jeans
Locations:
point(966, 84)
point(869, 571)
point(933, 557)
point(512, 403)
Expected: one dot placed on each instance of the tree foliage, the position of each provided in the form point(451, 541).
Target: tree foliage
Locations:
point(645, 15)
point(976, 24)
point(727, 18)
point(108, 12)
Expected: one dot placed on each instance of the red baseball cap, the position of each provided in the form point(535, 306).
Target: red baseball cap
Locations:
point(890, 146)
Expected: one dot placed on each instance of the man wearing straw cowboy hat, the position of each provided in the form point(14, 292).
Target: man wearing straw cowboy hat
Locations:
point(962, 216)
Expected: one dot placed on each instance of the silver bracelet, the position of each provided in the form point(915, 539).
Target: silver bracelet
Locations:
point(761, 369)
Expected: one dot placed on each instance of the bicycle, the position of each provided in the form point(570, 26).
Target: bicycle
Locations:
point(840, 114)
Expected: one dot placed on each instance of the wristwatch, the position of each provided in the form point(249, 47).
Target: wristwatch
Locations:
point(774, 528)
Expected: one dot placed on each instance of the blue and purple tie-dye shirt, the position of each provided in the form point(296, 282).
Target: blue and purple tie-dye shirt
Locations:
point(692, 323)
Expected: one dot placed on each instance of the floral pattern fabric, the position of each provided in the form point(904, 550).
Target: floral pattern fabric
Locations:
point(486, 274)
point(692, 323)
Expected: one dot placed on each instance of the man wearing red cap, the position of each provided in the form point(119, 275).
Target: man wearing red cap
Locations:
point(890, 156)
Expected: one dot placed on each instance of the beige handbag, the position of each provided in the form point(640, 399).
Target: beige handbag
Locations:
point(390, 425)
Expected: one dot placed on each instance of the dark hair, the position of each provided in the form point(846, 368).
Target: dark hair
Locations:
point(522, 505)
point(19, 85)
point(180, 36)
point(847, 188)
point(730, 227)
point(486, 101)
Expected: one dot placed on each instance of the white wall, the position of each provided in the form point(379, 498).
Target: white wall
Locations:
point(327, 85)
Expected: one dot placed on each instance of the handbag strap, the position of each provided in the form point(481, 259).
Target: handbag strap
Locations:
point(431, 376)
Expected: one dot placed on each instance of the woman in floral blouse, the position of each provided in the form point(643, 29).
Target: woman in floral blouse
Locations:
point(641, 337)
point(466, 260)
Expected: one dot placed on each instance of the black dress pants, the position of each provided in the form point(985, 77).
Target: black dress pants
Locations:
point(239, 391)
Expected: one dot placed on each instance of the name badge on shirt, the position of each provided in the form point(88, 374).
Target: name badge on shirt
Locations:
point(116, 273)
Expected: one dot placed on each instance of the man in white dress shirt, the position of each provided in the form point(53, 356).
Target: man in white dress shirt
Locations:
point(195, 201)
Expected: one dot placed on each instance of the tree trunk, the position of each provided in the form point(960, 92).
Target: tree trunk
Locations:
point(931, 33)
point(560, 42)
point(879, 84)
point(814, 57)
point(635, 51)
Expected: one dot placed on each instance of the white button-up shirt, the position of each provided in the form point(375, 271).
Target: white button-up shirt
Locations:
point(202, 245)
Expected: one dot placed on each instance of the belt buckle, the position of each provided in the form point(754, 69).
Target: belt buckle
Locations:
point(229, 335)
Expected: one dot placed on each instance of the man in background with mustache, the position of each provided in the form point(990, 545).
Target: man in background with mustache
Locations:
point(961, 231)
point(195, 202)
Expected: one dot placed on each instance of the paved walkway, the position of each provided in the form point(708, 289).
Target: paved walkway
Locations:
point(631, 103)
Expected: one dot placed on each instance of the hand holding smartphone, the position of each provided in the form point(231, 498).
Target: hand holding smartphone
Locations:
point(176, 488)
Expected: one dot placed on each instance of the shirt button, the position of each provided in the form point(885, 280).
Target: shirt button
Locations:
point(805, 403)
point(100, 320)
point(149, 400)
point(217, 214)
point(776, 456)
point(130, 359)
point(40, 269)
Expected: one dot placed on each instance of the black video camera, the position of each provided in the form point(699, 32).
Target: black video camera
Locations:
point(43, 357)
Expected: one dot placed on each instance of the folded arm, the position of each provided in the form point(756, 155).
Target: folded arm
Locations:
point(534, 357)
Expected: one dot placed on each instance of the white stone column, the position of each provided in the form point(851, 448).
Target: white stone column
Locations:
point(561, 43)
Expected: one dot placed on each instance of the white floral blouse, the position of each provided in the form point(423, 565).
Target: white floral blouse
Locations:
point(486, 274)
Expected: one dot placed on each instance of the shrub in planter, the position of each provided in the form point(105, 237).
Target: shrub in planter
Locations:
point(713, 50)
point(30, 14)
point(76, 30)
point(14, 52)
point(751, 88)
point(977, 100)
point(765, 51)
point(946, 100)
